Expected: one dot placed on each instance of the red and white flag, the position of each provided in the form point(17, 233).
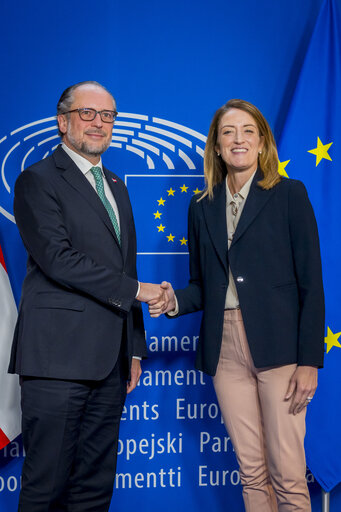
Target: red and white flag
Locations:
point(10, 415)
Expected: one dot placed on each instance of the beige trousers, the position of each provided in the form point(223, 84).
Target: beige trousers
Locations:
point(268, 441)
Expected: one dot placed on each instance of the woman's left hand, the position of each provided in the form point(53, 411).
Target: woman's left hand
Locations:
point(302, 386)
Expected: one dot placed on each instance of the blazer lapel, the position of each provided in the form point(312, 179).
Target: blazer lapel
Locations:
point(215, 216)
point(122, 210)
point(255, 202)
point(78, 181)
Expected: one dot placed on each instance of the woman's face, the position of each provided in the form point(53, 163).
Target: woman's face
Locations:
point(239, 141)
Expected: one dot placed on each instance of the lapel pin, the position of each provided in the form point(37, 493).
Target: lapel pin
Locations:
point(114, 180)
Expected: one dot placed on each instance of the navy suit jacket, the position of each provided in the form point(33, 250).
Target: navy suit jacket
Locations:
point(78, 296)
point(275, 261)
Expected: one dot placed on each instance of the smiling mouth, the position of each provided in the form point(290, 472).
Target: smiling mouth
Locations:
point(239, 150)
point(95, 134)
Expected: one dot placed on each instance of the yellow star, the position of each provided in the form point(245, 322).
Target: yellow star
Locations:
point(161, 201)
point(183, 241)
point(281, 168)
point(161, 228)
point(171, 192)
point(170, 237)
point(197, 191)
point(332, 340)
point(183, 188)
point(157, 215)
point(321, 151)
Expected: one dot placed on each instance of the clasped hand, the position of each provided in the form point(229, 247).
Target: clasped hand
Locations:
point(159, 297)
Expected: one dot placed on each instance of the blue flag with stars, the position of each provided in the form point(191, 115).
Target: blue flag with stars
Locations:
point(310, 150)
point(162, 215)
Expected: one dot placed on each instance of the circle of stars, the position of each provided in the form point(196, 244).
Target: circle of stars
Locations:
point(158, 214)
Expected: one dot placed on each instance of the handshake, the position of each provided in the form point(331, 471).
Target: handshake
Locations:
point(159, 297)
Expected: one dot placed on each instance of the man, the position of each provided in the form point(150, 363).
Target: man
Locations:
point(79, 336)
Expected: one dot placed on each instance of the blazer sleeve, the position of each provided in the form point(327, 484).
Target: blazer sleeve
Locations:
point(190, 298)
point(307, 261)
point(39, 217)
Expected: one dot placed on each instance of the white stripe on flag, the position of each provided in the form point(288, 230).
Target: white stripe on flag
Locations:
point(9, 384)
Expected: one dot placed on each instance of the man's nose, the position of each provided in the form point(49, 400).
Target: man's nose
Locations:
point(97, 121)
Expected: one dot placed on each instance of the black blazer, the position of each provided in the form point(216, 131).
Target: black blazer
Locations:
point(79, 291)
point(275, 261)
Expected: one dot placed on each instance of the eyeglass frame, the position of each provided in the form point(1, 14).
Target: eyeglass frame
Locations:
point(79, 110)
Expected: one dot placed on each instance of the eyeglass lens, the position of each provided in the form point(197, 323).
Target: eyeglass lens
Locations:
point(89, 114)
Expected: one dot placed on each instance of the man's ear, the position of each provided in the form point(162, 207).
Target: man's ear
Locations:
point(62, 123)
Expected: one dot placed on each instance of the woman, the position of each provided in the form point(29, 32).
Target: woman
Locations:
point(255, 271)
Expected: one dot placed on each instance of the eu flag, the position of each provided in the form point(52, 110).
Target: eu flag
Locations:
point(310, 150)
point(161, 217)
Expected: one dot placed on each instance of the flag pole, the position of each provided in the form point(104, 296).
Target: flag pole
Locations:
point(325, 501)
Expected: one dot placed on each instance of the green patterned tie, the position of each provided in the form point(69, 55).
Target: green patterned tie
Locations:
point(97, 173)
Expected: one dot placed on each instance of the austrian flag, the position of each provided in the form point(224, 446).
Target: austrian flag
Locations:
point(9, 385)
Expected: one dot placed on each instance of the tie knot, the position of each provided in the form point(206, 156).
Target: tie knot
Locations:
point(97, 172)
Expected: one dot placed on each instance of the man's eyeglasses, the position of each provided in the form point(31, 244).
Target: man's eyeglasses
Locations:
point(89, 114)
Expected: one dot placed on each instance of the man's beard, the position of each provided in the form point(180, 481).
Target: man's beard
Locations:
point(87, 148)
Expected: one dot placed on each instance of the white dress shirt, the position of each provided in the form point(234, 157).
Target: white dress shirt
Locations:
point(84, 166)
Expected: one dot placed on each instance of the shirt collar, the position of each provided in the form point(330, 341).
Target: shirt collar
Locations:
point(82, 163)
point(243, 192)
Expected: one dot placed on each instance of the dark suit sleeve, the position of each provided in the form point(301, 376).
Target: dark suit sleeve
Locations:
point(190, 298)
point(307, 260)
point(39, 217)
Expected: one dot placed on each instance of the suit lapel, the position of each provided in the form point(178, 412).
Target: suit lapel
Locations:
point(255, 202)
point(122, 209)
point(78, 181)
point(215, 216)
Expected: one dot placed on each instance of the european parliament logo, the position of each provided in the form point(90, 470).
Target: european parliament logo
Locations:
point(160, 161)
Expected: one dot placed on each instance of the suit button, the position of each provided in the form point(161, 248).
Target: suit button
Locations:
point(240, 279)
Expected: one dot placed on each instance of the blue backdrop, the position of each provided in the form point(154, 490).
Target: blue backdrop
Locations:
point(170, 65)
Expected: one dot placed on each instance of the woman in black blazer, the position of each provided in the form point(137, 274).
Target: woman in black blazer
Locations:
point(255, 271)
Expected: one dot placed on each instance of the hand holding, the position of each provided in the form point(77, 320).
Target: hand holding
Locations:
point(150, 291)
point(158, 307)
point(301, 389)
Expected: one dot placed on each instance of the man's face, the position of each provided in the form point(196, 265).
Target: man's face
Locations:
point(88, 138)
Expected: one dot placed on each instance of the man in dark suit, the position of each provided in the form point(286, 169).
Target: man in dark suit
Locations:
point(79, 336)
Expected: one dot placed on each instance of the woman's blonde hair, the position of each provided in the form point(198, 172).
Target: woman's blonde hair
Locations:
point(214, 166)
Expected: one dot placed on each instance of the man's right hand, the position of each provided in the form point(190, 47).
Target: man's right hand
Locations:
point(150, 291)
point(167, 304)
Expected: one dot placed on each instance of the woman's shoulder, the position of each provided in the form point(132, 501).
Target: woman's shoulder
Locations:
point(293, 192)
point(290, 185)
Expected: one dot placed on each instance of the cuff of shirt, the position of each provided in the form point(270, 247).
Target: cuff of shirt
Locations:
point(137, 357)
point(138, 289)
point(176, 309)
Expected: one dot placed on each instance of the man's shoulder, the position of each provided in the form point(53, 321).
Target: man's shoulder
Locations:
point(41, 166)
point(43, 171)
point(48, 163)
